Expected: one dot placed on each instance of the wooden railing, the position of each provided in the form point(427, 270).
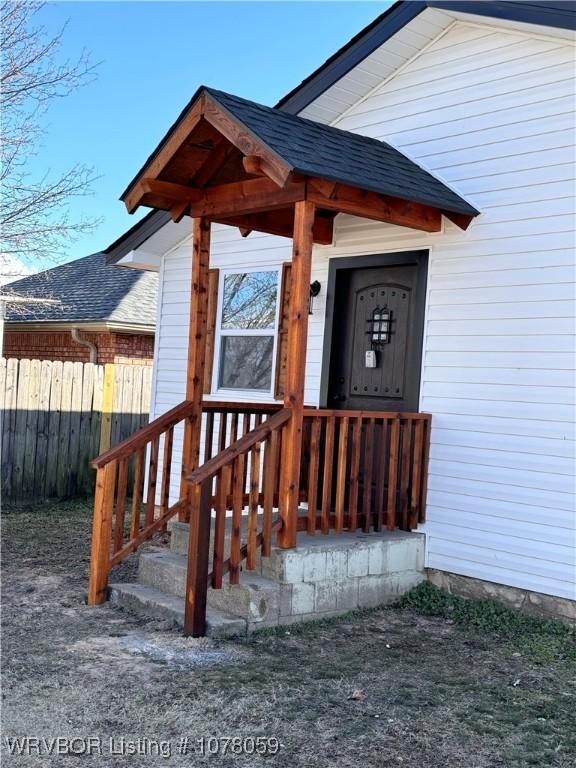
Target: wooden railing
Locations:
point(246, 471)
point(127, 516)
point(116, 534)
point(360, 469)
point(364, 469)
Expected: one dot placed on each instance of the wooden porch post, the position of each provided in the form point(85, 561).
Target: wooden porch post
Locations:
point(296, 363)
point(196, 350)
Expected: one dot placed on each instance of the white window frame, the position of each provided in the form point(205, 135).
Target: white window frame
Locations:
point(253, 395)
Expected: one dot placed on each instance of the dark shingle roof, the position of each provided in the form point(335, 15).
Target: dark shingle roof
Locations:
point(321, 150)
point(87, 290)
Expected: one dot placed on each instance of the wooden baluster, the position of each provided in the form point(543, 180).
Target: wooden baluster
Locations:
point(101, 534)
point(120, 504)
point(233, 438)
point(393, 473)
point(245, 430)
point(222, 430)
point(368, 472)
point(166, 470)
point(278, 469)
point(222, 485)
point(152, 476)
point(354, 474)
point(270, 481)
point(209, 438)
point(233, 428)
point(253, 502)
point(237, 507)
point(404, 472)
point(137, 491)
point(341, 474)
point(313, 475)
point(416, 482)
point(327, 476)
point(425, 460)
point(380, 454)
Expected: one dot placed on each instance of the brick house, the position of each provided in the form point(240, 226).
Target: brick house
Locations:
point(101, 314)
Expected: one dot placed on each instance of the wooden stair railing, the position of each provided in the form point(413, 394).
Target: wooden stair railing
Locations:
point(131, 501)
point(117, 531)
point(246, 471)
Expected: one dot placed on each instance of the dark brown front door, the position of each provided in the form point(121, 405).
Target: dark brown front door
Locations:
point(377, 328)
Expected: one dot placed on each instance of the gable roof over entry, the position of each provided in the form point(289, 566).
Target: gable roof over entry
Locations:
point(241, 163)
point(313, 149)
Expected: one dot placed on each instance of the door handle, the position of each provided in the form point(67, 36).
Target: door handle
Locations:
point(338, 398)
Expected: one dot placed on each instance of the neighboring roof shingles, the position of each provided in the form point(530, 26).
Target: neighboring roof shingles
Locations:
point(87, 290)
point(315, 149)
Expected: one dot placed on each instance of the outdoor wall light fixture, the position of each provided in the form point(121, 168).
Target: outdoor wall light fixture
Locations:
point(314, 291)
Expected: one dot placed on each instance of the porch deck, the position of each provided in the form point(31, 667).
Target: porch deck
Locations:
point(360, 470)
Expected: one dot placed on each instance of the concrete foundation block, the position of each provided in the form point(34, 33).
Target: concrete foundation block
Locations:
point(285, 599)
point(406, 552)
point(371, 591)
point(358, 559)
point(314, 566)
point(326, 597)
point(255, 599)
point(303, 595)
point(336, 564)
point(347, 595)
point(378, 559)
point(284, 566)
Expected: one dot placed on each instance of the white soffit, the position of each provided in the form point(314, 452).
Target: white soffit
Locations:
point(148, 256)
point(379, 65)
point(397, 51)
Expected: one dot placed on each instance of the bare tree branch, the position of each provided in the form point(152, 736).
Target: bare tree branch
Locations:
point(35, 216)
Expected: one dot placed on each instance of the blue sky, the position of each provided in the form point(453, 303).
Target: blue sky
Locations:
point(153, 57)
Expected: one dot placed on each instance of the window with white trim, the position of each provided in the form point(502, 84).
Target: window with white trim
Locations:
point(247, 330)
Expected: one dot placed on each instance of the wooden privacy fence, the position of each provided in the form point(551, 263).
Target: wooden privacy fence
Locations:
point(57, 416)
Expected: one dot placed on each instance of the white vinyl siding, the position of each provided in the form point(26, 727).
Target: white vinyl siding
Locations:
point(491, 113)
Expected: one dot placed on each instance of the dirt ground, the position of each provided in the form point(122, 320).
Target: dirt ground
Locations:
point(386, 688)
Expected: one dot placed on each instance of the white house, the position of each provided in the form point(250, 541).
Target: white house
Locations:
point(481, 95)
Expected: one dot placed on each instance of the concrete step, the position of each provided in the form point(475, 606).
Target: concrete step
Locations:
point(256, 599)
point(148, 601)
point(163, 570)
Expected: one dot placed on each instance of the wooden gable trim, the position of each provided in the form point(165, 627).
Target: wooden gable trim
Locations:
point(371, 205)
point(281, 223)
point(460, 219)
point(234, 199)
point(242, 138)
point(213, 163)
point(161, 159)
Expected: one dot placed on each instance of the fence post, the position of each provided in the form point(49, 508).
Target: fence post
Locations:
point(198, 547)
point(101, 534)
point(107, 402)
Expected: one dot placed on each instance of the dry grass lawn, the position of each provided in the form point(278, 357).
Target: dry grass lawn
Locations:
point(386, 688)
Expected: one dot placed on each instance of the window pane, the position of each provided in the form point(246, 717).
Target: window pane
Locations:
point(249, 300)
point(246, 362)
